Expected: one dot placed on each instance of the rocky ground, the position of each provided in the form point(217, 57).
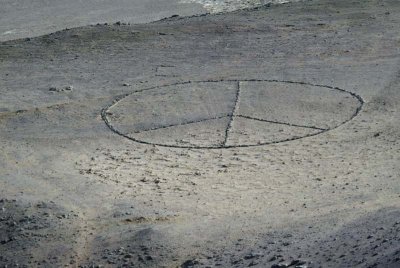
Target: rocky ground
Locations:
point(74, 193)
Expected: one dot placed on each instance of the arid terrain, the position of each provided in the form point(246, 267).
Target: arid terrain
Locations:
point(264, 137)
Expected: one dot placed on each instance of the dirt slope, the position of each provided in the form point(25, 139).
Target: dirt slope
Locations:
point(75, 193)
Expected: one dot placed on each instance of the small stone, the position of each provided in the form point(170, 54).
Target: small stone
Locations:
point(273, 258)
point(279, 265)
point(252, 256)
point(297, 262)
point(189, 263)
point(126, 84)
point(4, 241)
point(69, 88)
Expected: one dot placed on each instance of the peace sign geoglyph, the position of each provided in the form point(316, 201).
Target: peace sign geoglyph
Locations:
point(230, 113)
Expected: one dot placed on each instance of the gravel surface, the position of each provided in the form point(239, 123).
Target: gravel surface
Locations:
point(75, 193)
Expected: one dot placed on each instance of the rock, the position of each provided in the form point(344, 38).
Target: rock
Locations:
point(297, 262)
point(252, 256)
point(5, 240)
point(252, 263)
point(189, 263)
point(55, 89)
point(273, 258)
point(279, 265)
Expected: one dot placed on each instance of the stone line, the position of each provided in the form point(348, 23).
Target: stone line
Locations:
point(228, 128)
point(183, 124)
point(280, 123)
point(231, 115)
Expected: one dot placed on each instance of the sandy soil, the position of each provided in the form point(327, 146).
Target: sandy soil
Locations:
point(76, 193)
point(29, 18)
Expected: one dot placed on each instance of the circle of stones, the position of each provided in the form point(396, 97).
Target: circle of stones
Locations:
point(104, 113)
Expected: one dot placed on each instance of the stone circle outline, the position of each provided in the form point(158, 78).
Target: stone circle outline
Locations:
point(119, 98)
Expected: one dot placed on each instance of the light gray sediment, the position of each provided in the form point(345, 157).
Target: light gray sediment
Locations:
point(73, 193)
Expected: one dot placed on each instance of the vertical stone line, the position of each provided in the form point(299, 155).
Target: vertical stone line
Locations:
point(233, 114)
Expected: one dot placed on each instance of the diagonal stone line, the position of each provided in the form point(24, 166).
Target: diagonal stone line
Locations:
point(183, 124)
point(228, 128)
point(280, 123)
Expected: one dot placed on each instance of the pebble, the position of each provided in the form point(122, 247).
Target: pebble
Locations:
point(189, 263)
point(273, 258)
point(297, 263)
point(279, 265)
point(55, 89)
point(252, 256)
